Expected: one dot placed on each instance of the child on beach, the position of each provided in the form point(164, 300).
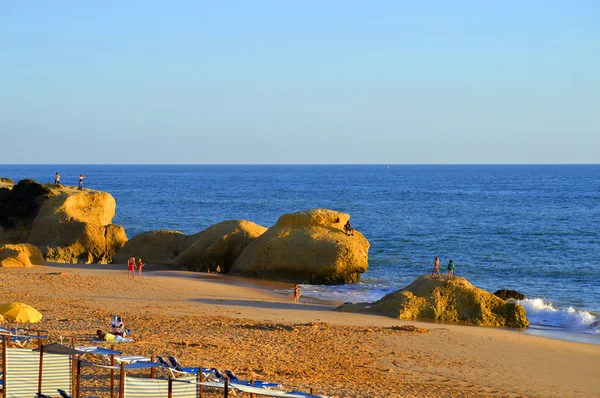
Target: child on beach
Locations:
point(297, 293)
point(140, 265)
point(436, 268)
point(131, 267)
point(450, 269)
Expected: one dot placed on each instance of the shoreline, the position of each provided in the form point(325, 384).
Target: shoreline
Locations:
point(235, 323)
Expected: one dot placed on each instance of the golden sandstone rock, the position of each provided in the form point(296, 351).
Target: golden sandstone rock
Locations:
point(448, 300)
point(75, 226)
point(154, 247)
point(306, 247)
point(216, 246)
point(20, 255)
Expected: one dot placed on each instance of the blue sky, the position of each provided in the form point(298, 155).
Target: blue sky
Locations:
point(315, 82)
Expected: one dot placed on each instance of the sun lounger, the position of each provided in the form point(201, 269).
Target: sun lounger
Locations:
point(257, 383)
point(305, 394)
point(64, 394)
point(175, 364)
point(131, 359)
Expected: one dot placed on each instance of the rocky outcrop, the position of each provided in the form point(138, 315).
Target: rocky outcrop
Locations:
point(449, 300)
point(20, 255)
point(306, 247)
point(66, 224)
point(19, 205)
point(75, 226)
point(509, 294)
point(154, 247)
point(216, 248)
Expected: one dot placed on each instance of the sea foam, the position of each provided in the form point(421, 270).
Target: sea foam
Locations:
point(542, 312)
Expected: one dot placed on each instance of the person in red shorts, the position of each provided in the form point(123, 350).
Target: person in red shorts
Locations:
point(131, 267)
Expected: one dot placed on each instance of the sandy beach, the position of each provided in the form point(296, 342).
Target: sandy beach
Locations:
point(243, 325)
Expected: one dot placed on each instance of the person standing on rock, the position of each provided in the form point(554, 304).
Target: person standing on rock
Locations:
point(450, 269)
point(56, 178)
point(81, 177)
point(436, 268)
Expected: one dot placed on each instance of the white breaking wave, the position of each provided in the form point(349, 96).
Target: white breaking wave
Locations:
point(542, 312)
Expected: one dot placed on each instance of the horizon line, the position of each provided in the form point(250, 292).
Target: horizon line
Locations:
point(299, 164)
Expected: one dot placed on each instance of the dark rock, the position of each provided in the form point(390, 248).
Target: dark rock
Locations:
point(509, 294)
point(20, 205)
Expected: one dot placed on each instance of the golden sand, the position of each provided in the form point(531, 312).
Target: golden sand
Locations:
point(239, 324)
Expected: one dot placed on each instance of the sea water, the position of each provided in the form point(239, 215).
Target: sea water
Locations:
point(535, 229)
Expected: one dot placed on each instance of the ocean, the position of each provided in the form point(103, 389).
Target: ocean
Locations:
point(532, 228)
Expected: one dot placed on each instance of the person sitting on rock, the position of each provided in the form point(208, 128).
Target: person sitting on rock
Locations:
point(348, 228)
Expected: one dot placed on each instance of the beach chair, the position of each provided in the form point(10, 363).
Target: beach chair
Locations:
point(305, 394)
point(64, 394)
point(175, 363)
point(167, 367)
point(257, 383)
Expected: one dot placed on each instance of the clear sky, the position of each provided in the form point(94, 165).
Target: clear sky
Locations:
point(318, 82)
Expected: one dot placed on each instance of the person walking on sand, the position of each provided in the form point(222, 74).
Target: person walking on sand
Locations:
point(81, 177)
point(297, 293)
point(56, 178)
point(436, 268)
point(131, 267)
point(140, 265)
point(450, 269)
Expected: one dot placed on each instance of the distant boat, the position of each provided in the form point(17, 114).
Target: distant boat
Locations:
point(387, 167)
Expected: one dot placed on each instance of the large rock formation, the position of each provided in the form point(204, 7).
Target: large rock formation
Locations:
point(68, 225)
point(216, 247)
point(19, 205)
point(20, 255)
point(448, 300)
point(75, 226)
point(154, 247)
point(306, 247)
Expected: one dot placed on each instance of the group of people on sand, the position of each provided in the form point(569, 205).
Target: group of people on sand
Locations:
point(57, 180)
point(132, 266)
point(436, 268)
point(119, 332)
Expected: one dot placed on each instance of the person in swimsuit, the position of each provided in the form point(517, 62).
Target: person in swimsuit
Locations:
point(348, 228)
point(131, 267)
point(140, 265)
point(436, 268)
point(297, 293)
point(56, 178)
